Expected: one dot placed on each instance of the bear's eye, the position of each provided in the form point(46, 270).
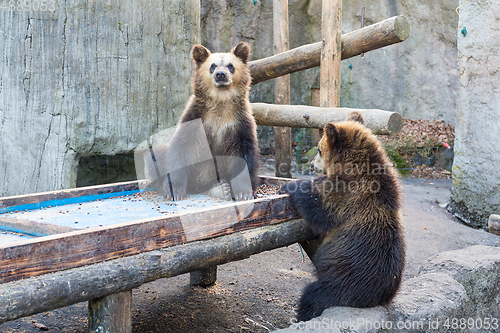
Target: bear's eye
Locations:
point(230, 67)
point(212, 68)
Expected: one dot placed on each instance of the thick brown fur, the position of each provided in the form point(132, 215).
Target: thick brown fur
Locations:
point(221, 85)
point(355, 208)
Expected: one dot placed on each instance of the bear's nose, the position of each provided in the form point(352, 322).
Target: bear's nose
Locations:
point(220, 76)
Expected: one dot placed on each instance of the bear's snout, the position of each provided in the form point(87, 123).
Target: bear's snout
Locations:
point(220, 76)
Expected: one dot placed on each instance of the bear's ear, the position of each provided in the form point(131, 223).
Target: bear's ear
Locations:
point(356, 116)
point(332, 133)
point(242, 51)
point(200, 54)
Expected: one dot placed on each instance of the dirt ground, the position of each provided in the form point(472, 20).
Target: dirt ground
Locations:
point(259, 294)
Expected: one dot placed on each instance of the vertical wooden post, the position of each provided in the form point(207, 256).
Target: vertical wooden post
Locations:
point(311, 246)
point(111, 313)
point(204, 277)
point(331, 53)
point(283, 137)
point(329, 93)
point(316, 133)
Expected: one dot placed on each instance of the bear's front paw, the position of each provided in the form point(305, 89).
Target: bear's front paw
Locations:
point(247, 195)
point(222, 191)
point(177, 197)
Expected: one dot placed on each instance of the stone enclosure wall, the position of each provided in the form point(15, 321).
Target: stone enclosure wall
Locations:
point(476, 171)
point(87, 78)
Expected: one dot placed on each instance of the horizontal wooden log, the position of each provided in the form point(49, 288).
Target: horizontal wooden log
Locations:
point(51, 291)
point(390, 31)
point(380, 122)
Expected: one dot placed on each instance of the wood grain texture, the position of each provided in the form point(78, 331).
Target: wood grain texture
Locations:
point(331, 50)
point(111, 313)
point(390, 31)
point(282, 135)
point(34, 198)
point(380, 122)
point(47, 292)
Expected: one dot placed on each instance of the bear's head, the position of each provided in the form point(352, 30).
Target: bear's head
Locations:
point(343, 143)
point(221, 75)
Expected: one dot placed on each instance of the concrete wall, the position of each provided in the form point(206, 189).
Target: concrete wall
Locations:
point(417, 78)
point(476, 171)
point(90, 77)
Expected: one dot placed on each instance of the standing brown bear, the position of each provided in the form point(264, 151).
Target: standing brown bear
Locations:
point(214, 147)
point(355, 209)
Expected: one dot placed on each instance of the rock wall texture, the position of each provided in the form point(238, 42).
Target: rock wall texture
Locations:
point(476, 172)
point(88, 78)
point(455, 291)
point(417, 78)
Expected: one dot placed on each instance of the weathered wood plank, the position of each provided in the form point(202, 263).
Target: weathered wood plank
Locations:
point(301, 116)
point(54, 196)
point(31, 228)
point(47, 292)
point(83, 247)
point(390, 31)
point(111, 313)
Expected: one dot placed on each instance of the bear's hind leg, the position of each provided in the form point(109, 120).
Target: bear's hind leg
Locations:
point(316, 298)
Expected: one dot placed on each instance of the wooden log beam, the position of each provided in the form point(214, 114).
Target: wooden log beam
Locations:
point(51, 291)
point(390, 31)
point(301, 116)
